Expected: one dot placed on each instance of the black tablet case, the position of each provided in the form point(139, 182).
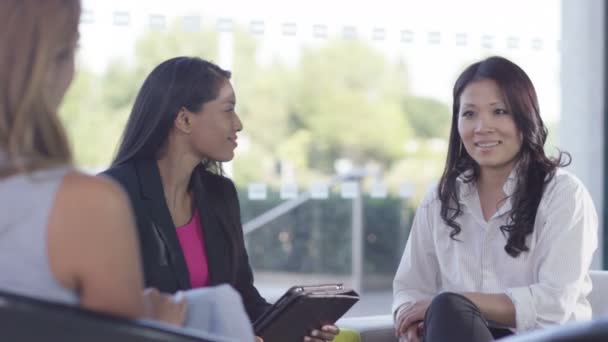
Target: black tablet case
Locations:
point(302, 309)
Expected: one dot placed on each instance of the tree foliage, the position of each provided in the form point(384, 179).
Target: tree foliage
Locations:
point(339, 99)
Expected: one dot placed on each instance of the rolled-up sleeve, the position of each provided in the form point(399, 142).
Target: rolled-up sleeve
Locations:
point(561, 259)
point(416, 276)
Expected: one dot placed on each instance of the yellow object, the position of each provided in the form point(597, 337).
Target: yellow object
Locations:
point(346, 335)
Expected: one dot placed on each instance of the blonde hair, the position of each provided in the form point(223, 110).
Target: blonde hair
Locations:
point(31, 32)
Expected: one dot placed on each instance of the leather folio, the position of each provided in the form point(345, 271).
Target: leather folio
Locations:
point(302, 309)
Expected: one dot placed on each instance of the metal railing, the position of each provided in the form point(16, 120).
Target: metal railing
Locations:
point(356, 223)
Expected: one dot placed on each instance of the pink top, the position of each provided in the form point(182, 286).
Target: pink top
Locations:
point(193, 246)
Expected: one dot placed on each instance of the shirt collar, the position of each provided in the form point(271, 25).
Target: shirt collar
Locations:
point(511, 183)
point(468, 196)
point(466, 189)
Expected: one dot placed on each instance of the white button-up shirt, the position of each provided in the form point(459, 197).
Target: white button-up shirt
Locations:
point(547, 285)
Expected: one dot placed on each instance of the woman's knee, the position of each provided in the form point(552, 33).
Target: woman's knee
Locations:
point(453, 317)
point(451, 302)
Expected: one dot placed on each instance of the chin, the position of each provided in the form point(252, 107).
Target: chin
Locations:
point(223, 159)
point(218, 158)
point(495, 164)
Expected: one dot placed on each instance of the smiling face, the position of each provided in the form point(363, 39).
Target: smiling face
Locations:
point(214, 127)
point(486, 126)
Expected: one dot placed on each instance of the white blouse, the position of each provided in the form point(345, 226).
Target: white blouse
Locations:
point(547, 285)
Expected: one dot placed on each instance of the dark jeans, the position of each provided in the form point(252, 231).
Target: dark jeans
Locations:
point(454, 318)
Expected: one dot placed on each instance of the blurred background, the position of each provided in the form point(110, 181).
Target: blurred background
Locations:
point(346, 109)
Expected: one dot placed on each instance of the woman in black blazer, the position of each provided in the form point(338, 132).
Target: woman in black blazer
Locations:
point(183, 124)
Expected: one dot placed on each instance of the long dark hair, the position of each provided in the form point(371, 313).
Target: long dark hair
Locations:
point(187, 82)
point(535, 168)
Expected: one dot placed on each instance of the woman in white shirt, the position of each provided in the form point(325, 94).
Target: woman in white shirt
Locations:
point(504, 243)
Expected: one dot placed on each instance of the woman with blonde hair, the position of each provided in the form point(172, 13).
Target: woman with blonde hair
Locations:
point(58, 222)
point(73, 234)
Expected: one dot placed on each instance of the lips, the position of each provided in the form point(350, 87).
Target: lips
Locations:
point(233, 140)
point(487, 144)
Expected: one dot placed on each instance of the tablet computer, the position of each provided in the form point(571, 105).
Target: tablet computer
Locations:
point(302, 309)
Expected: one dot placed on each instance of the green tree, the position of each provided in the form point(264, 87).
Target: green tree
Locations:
point(429, 117)
point(341, 99)
point(264, 95)
point(348, 96)
point(96, 107)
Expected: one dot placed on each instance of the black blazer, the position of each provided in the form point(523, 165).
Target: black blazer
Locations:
point(218, 206)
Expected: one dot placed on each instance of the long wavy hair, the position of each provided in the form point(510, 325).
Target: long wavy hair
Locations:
point(535, 168)
point(33, 36)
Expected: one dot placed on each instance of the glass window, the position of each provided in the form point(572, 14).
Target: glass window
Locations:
point(346, 110)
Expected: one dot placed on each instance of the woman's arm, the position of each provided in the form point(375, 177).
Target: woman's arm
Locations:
point(562, 257)
point(93, 248)
point(416, 280)
point(496, 308)
point(255, 304)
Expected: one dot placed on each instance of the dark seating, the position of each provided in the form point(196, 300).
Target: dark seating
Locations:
point(25, 319)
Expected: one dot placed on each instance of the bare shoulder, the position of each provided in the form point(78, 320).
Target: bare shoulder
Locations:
point(88, 212)
point(91, 213)
point(89, 199)
point(94, 188)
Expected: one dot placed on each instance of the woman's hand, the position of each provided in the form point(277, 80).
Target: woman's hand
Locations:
point(164, 307)
point(413, 333)
point(327, 333)
point(411, 315)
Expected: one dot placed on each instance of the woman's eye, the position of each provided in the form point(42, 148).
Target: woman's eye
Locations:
point(500, 111)
point(467, 114)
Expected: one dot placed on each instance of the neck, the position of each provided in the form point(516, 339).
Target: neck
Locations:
point(175, 170)
point(493, 179)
